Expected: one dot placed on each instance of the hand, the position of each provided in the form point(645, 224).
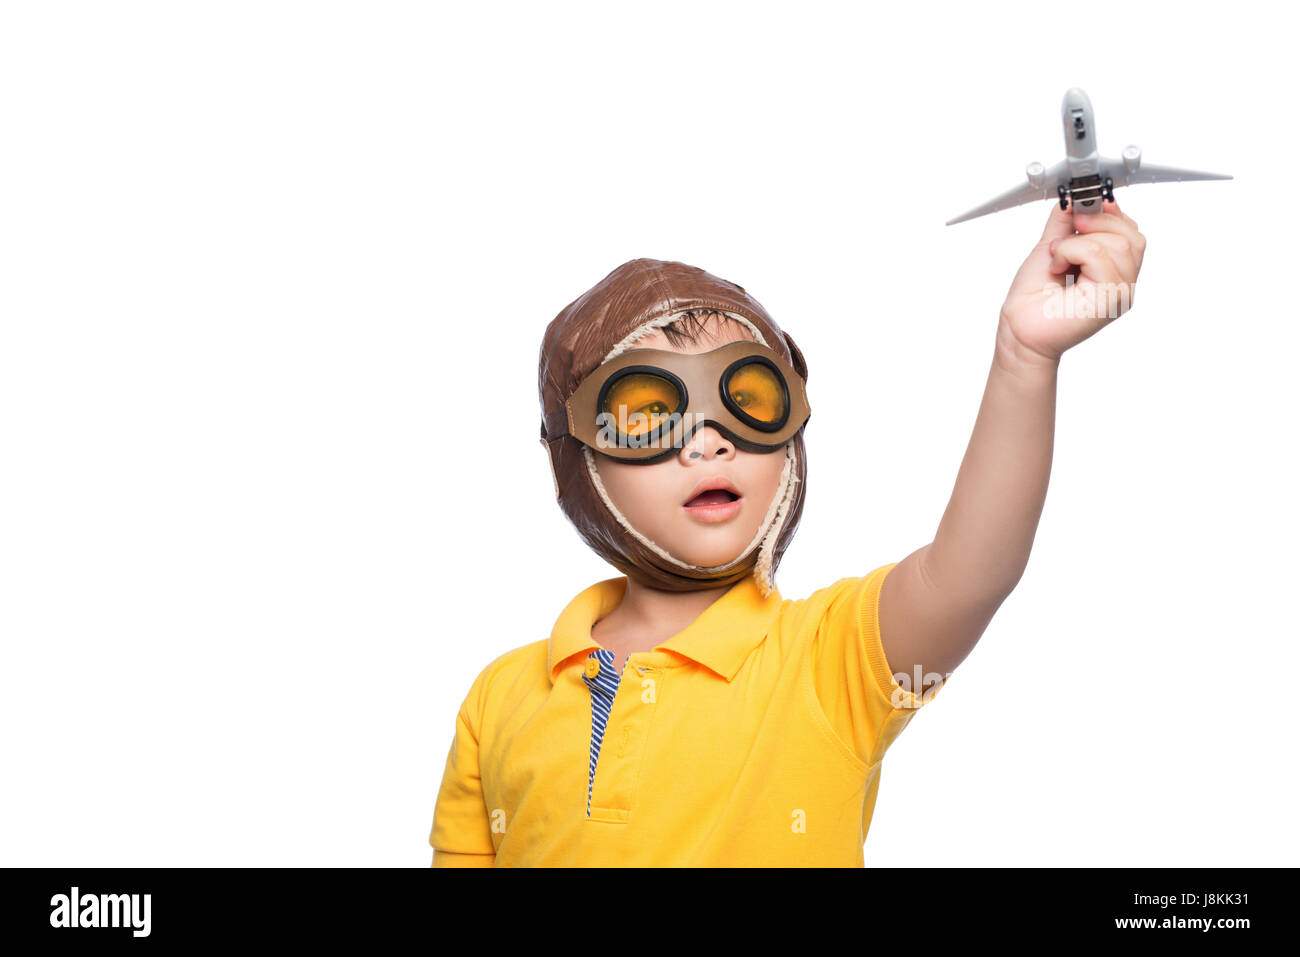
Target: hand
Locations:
point(1053, 306)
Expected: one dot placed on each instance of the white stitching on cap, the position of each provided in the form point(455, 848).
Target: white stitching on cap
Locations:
point(641, 331)
point(763, 572)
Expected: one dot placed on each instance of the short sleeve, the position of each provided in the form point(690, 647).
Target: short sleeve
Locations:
point(854, 684)
point(462, 832)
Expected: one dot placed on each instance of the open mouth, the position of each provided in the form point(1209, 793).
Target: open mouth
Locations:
point(714, 496)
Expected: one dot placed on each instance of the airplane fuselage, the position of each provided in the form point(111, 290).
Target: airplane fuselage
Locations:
point(1081, 150)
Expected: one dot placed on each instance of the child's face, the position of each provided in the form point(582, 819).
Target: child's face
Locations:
point(657, 498)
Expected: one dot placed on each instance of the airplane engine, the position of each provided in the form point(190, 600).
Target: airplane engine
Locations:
point(1035, 172)
point(1132, 158)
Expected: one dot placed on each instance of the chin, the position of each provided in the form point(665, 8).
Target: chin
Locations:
point(711, 557)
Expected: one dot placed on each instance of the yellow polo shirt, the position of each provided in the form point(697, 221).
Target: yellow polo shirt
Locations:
point(752, 738)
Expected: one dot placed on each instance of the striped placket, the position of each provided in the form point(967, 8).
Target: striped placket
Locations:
point(603, 687)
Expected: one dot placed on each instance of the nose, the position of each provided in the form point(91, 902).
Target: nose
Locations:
point(706, 445)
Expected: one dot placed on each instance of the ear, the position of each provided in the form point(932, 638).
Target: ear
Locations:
point(800, 366)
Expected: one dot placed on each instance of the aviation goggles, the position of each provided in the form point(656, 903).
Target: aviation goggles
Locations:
point(644, 404)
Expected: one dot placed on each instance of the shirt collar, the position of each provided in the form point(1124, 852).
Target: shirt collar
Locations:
point(721, 638)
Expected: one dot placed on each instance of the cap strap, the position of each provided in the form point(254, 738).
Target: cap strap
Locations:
point(555, 424)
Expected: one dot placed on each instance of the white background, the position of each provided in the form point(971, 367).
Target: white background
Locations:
point(273, 279)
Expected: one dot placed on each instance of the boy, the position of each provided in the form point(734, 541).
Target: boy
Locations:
point(685, 714)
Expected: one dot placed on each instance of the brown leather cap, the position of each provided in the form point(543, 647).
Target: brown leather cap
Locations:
point(628, 303)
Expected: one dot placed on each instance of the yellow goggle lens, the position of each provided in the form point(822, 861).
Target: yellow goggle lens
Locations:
point(758, 392)
point(640, 401)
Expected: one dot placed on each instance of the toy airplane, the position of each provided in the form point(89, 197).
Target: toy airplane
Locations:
point(1083, 178)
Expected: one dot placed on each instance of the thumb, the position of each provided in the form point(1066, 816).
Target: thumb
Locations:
point(1060, 224)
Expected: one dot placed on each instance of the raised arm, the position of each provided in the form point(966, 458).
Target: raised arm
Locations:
point(936, 603)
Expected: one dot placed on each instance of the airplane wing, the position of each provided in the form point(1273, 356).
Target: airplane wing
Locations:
point(1149, 173)
point(1026, 192)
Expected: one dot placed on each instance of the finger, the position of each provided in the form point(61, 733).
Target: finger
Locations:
point(1110, 206)
point(1121, 251)
point(1088, 253)
point(1101, 280)
point(1105, 222)
point(1112, 221)
point(1109, 221)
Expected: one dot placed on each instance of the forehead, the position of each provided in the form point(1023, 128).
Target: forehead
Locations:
point(717, 332)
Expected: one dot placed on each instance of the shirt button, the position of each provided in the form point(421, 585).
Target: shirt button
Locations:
point(593, 667)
